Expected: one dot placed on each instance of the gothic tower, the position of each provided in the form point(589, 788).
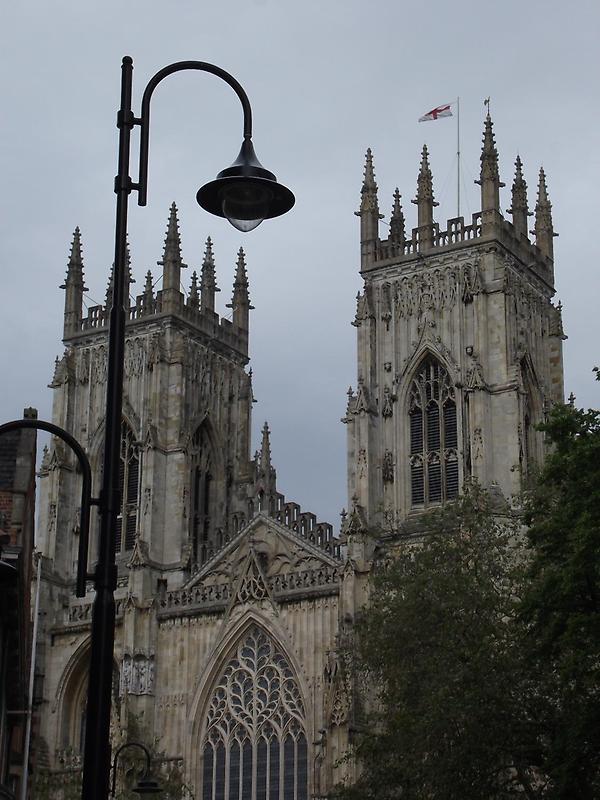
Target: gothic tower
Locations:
point(215, 566)
point(186, 407)
point(459, 348)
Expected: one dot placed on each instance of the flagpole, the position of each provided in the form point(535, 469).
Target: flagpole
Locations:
point(458, 156)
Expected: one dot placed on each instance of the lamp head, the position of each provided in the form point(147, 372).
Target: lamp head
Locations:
point(245, 193)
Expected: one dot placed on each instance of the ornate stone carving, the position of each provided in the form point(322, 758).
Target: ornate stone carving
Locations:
point(475, 378)
point(252, 587)
point(477, 444)
point(135, 356)
point(136, 674)
point(428, 292)
point(167, 701)
point(386, 305)
point(387, 467)
point(387, 408)
point(139, 555)
point(99, 364)
point(155, 350)
point(83, 367)
point(362, 401)
point(361, 463)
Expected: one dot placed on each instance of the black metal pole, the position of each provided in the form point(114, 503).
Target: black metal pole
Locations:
point(96, 761)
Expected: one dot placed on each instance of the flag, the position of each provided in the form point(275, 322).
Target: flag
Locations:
point(440, 111)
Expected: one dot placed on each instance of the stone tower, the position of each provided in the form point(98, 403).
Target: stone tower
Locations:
point(186, 410)
point(459, 347)
point(214, 564)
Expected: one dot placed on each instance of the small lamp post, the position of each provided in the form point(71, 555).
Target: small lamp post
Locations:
point(246, 194)
point(145, 783)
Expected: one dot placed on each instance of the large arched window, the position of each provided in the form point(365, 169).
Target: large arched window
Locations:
point(255, 745)
point(129, 480)
point(202, 495)
point(433, 435)
point(74, 707)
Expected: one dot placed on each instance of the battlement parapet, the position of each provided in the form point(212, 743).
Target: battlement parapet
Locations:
point(206, 322)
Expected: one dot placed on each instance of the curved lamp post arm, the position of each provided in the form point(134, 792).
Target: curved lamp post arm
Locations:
point(118, 752)
point(144, 121)
point(86, 489)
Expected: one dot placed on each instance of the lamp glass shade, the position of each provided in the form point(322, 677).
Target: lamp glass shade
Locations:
point(245, 203)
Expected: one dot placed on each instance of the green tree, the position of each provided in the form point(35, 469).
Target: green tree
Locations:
point(561, 606)
point(450, 710)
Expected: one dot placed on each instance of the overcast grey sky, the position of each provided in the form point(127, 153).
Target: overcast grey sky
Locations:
point(326, 80)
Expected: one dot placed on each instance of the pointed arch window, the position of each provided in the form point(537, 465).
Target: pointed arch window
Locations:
point(433, 435)
point(202, 496)
point(255, 745)
point(129, 481)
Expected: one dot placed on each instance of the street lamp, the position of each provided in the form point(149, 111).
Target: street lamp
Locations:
point(145, 784)
point(245, 193)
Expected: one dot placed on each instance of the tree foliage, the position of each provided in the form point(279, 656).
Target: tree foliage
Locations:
point(562, 605)
point(478, 655)
point(451, 711)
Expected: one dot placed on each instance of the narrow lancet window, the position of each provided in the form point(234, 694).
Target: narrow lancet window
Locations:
point(129, 479)
point(433, 435)
point(202, 496)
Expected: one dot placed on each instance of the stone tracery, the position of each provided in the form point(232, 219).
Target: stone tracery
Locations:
point(255, 742)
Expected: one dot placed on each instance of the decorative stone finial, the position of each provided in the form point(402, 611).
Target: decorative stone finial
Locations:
point(240, 301)
point(172, 265)
point(397, 222)
point(489, 177)
point(425, 202)
point(543, 227)
point(194, 297)
point(369, 213)
point(74, 287)
point(519, 210)
point(148, 295)
point(265, 448)
point(75, 263)
point(208, 280)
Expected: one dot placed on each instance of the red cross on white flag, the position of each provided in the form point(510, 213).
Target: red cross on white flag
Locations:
point(435, 113)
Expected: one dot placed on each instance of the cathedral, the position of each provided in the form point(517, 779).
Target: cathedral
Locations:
point(232, 601)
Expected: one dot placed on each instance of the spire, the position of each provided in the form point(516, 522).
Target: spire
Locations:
point(172, 264)
point(369, 213)
point(108, 298)
point(543, 228)
point(266, 476)
point(489, 177)
point(75, 264)
point(240, 301)
point(129, 279)
point(368, 200)
point(397, 225)
point(519, 209)
point(265, 450)
point(194, 298)
point(74, 287)
point(148, 295)
point(425, 202)
point(208, 282)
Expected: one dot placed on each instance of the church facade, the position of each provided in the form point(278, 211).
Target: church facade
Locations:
point(232, 601)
